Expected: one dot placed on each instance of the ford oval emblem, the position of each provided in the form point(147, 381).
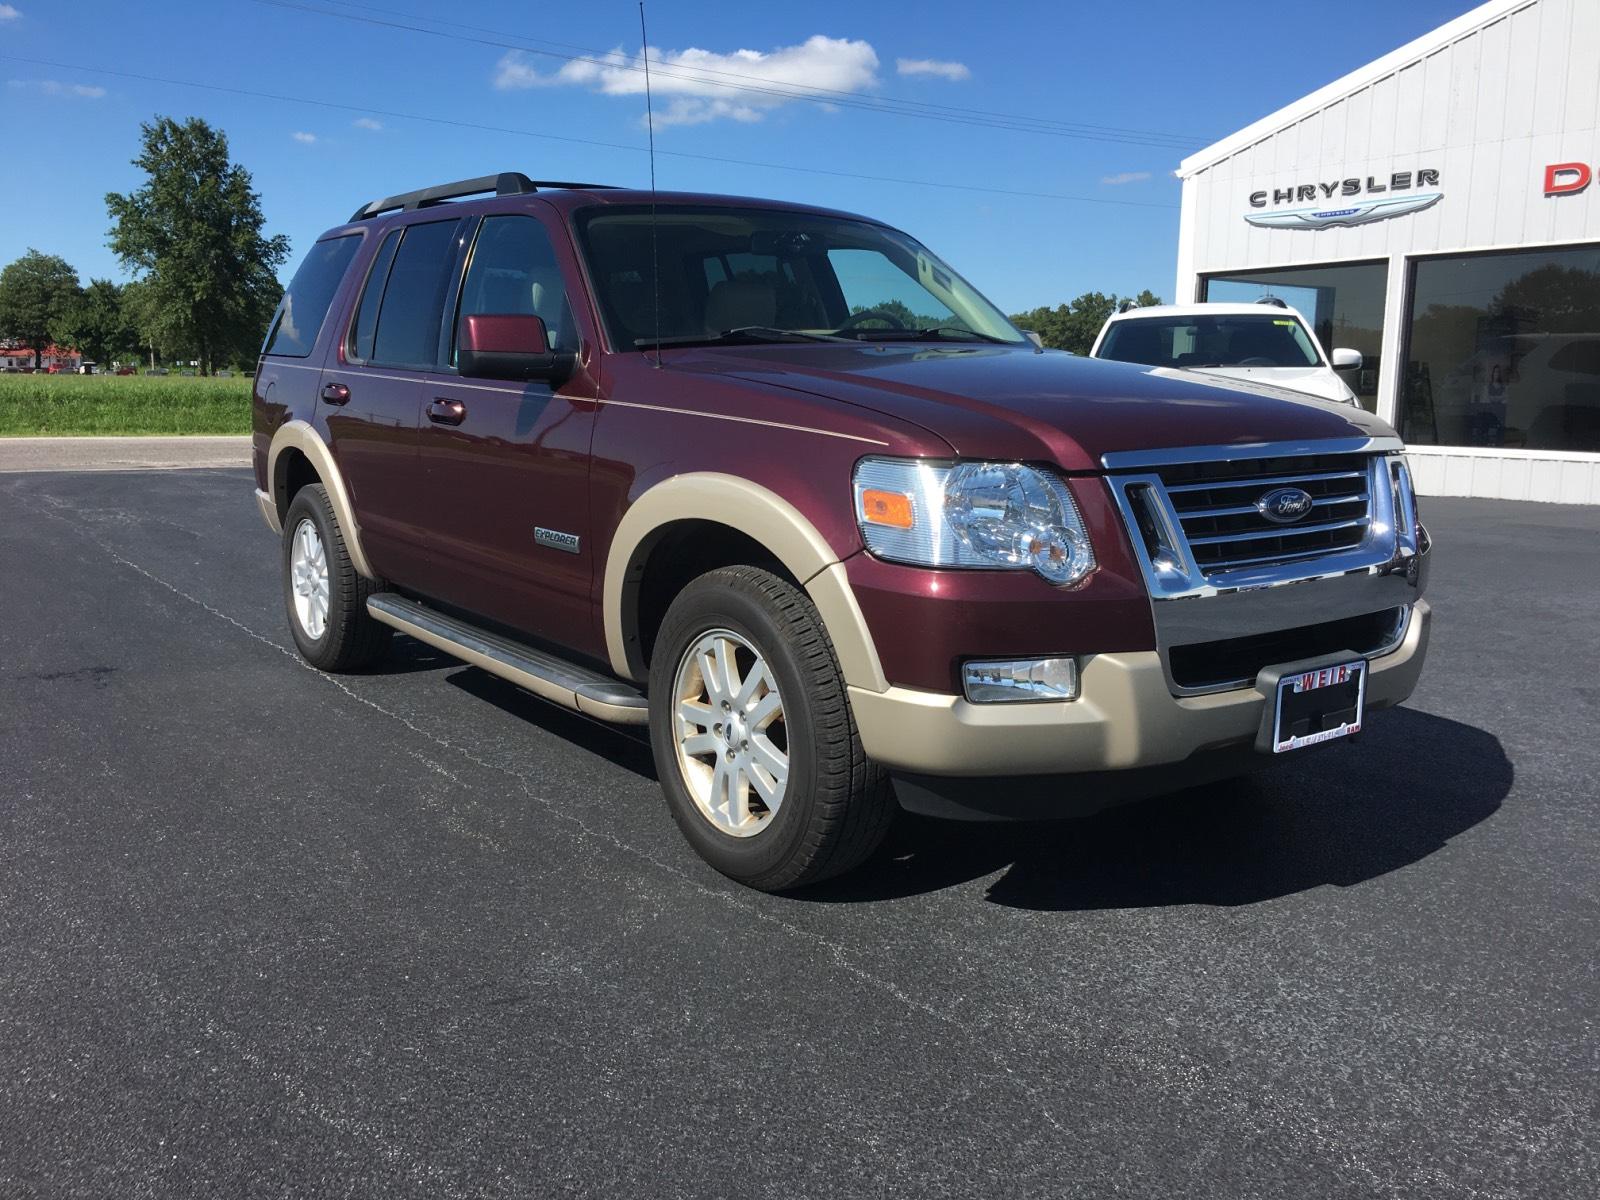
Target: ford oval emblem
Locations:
point(1285, 505)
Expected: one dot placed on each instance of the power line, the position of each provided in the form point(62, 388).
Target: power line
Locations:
point(802, 91)
point(776, 89)
point(577, 141)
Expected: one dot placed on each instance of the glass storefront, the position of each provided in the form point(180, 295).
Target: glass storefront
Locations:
point(1503, 349)
point(1344, 304)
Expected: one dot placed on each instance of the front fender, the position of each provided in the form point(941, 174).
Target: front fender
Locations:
point(770, 520)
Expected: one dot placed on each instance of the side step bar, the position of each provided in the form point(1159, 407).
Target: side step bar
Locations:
point(541, 673)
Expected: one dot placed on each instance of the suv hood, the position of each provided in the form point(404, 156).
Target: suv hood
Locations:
point(1019, 404)
point(1323, 382)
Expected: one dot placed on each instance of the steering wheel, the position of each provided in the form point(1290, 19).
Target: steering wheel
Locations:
point(1257, 361)
point(871, 314)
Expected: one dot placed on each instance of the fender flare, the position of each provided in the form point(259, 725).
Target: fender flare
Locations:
point(764, 516)
point(299, 435)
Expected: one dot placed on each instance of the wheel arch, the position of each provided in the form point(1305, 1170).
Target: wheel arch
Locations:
point(783, 537)
point(298, 456)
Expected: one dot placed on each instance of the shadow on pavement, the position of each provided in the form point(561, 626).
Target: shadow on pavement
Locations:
point(628, 750)
point(1340, 816)
point(406, 656)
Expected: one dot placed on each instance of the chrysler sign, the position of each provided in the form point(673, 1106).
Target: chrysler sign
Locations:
point(1345, 201)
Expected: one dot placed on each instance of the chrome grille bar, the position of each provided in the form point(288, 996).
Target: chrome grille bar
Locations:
point(1246, 509)
point(1263, 481)
point(1279, 531)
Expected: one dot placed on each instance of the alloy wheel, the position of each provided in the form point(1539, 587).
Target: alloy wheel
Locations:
point(730, 733)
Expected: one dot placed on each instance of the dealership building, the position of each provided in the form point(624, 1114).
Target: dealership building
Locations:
point(1439, 211)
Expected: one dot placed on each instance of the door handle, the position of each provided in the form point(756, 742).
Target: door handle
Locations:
point(336, 393)
point(442, 411)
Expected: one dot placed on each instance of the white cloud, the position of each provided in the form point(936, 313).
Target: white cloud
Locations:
point(303, 137)
point(367, 123)
point(689, 80)
point(54, 87)
point(7, 13)
point(1126, 177)
point(953, 71)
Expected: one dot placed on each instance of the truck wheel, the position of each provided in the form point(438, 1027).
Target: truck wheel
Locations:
point(325, 596)
point(754, 741)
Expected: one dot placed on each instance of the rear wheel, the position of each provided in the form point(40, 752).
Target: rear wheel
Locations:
point(754, 741)
point(325, 596)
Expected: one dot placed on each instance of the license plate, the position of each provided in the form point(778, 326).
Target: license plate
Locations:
point(1318, 705)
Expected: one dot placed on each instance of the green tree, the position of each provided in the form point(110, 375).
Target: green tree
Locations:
point(1074, 326)
point(150, 323)
point(97, 324)
point(35, 292)
point(194, 234)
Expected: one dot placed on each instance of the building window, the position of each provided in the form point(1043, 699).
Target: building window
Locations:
point(1343, 303)
point(1503, 350)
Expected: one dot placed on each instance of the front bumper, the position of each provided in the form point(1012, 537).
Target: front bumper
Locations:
point(1125, 718)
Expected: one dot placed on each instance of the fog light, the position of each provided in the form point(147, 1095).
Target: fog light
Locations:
point(1021, 679)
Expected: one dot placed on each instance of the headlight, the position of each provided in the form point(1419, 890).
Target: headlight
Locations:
point(994, 515)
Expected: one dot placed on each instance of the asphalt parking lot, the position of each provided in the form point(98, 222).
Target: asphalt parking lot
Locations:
point(269, 933)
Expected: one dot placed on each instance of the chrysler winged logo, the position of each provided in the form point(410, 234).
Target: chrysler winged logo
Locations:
point(1356, 212)
point(1285, 505)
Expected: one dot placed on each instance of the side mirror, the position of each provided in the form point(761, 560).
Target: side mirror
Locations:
point(1038, 342)
point(508, 346)
point(1347, 360)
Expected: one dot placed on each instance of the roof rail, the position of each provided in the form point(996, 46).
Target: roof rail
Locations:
point(507, 183)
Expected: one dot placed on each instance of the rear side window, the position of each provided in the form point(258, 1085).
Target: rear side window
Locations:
point(407, 329)
point(305, 304)
point(366, 327)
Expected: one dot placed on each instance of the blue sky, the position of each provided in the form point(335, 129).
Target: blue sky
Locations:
point(1183, 72)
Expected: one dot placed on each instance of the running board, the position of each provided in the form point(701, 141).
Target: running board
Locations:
point(543, 674)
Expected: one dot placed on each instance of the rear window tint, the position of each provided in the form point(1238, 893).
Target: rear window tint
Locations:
point(413, 299)
point(305, 304)
point(366, 328)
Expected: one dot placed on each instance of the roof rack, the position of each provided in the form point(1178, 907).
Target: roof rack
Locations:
point(507, 183)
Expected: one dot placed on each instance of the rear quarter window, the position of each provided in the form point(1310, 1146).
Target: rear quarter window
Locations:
point(407, 332)
point(305, 305)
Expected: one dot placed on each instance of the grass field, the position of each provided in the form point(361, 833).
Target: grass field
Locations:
point(104, 404)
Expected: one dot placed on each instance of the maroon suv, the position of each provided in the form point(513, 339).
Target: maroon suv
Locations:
point(780, 484)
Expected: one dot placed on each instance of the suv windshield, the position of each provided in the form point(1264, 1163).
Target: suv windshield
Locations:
point(753, 275)
point(1246, 340)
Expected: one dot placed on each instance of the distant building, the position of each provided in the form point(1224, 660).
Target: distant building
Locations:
point(1439, 211)
point(53, 356)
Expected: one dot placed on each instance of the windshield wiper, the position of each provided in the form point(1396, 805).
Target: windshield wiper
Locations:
point(747, 334)
point(936, 333)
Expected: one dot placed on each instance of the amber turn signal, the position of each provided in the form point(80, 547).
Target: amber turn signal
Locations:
point(886, 508)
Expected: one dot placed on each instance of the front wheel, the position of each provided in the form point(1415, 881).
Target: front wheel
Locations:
point(754, 741)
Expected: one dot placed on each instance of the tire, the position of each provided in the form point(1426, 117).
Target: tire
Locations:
point(346, 638)
point(834, 806)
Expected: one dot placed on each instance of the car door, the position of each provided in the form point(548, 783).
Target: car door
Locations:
point(372, 391)
point(505, 463)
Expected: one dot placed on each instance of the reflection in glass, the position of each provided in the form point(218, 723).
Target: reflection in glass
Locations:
point(1504, 350)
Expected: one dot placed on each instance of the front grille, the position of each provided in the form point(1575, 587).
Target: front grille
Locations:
point(1215, 503)
point(1239, 660)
